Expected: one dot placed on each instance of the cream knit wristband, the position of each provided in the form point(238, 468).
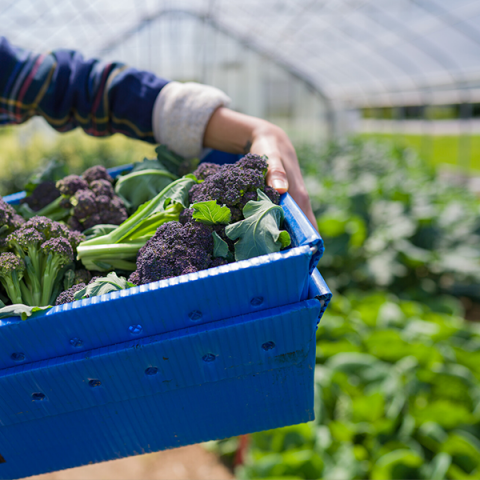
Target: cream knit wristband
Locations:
point(181, 113)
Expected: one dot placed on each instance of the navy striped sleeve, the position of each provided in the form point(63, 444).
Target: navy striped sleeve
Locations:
point(69, 91)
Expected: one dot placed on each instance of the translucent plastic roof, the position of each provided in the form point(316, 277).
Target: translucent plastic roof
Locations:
point(363, 51)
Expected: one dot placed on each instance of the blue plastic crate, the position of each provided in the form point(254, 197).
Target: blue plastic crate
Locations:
point(237, 375)
point(204, 356)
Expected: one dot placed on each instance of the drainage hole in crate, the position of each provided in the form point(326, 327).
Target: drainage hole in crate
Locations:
point(76, 342)
point(209, 357)
point(151, 371)
point(17, 357)
point(94, 383)
point(268, 345)
point(37, 396)
point(135, 329)
point(256, 301)
point(195, 316)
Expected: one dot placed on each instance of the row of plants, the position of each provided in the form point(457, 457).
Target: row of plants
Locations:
point(398, 394)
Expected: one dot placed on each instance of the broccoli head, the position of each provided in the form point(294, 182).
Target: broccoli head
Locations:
point(102, 187)
point(68, 295)
point(206, 169)
point(82, 275)
point(174, 250)
point(9, 221)
point(12, 269)
point(96, 203)
point(84, 204)
point(47, 248)
point(44, 194)
point(69, 185)
point(232, 185)
point(98, 172)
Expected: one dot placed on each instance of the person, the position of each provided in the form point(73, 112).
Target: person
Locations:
point(105, 98)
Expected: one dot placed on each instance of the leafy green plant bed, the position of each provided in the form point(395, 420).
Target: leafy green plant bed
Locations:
point(397, 397)
point(389, 222)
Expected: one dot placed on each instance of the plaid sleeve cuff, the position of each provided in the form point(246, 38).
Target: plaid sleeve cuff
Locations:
point(181, 114)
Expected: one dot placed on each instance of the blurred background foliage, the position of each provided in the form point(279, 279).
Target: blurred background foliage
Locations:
point(398, 368)
point(24, 148)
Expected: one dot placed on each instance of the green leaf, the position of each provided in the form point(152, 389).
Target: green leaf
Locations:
point(51, 171)
point(211, 213)
point(147, 164)
point(404, 462)
point(141, 186)
point(19, 310)
point(259, 233)
point(111, 283)
point(99, 230)
point(175, 163)
point(220, 247)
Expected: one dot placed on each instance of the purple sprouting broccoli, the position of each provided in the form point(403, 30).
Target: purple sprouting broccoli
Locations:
point(12, 269)
point(70, 185)
point(174, 250)
point(82, 275)
point(9, 221)
point(98, 172)
point(44, 194)
point(234, 185)
point(68, 295)
point(47, 248)
point(206, 169)
point(102, 187)
point(84, 204)
point(95, 202)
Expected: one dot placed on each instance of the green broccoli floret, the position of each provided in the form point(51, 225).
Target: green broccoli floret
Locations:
point(12, 269)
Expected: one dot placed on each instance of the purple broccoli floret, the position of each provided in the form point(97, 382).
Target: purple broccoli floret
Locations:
point(98, 172)
point(9, 221)
point(69, 185)
point(82, 275)
point(84, 204)
point(102, 187)
point(68, 295)
point(174, 250)
point(233, 185)
point(12, 269)
point(44, 194)
point(206, 169)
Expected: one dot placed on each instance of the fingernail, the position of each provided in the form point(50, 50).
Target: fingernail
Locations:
point(279, 184)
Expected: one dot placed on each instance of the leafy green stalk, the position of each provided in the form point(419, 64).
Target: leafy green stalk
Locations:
point(118, 249)
point(53, 210)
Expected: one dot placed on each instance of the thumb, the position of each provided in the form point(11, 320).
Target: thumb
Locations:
point(276, 176)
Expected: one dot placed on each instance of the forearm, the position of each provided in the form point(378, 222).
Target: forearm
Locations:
point(68, 91)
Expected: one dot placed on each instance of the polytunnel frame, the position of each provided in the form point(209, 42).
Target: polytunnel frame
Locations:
point(247, 43)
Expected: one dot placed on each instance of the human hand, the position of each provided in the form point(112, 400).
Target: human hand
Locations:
point(235, 132)
point(283, 169)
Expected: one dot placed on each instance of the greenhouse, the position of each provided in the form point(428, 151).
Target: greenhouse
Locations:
point(381, 101)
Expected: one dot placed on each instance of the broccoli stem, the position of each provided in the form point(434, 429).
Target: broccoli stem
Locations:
point(33, 282)
point(52, 269)
point(11, 284)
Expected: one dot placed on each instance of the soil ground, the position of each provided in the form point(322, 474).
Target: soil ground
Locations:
point(185, 463)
